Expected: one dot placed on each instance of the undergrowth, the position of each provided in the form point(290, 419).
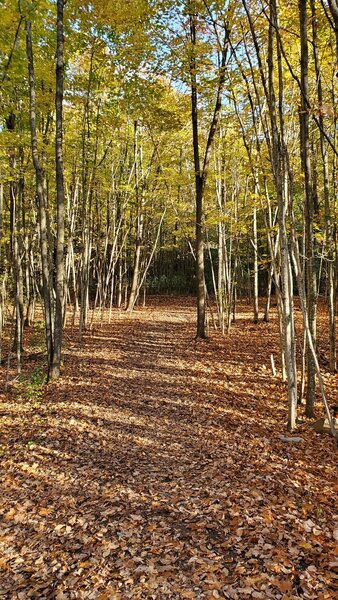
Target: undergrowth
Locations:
point(31, 388)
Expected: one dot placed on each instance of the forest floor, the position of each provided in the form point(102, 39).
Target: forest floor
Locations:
point(154, 469)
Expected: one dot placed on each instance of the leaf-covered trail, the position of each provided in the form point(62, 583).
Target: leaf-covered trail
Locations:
point(154, 469)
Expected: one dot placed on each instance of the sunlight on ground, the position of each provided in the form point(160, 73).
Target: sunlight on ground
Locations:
point(154, 468)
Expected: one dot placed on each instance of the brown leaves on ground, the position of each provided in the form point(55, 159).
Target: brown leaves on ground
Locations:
point(154, 469)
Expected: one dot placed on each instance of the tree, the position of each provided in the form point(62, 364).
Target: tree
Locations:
point(59, 266)
point(41, 195)
point(201, 168)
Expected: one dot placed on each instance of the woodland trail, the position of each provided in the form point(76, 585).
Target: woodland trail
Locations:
point(154, 469)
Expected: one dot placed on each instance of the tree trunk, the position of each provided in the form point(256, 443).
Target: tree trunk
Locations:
point(199, 232)
point(55, 372)
point(308, 207)
point(40, 191)
point(139, 225)
point(328, 219)
point(278, 158)
point(201, 172)
point(334, 12)
point(255, 269)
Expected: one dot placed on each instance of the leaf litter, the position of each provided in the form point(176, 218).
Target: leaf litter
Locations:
point(154, 469)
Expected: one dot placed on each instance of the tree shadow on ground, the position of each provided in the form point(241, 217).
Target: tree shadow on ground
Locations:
point(156, 461)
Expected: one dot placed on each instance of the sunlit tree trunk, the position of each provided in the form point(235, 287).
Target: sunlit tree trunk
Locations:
point(255, 253)
point(86, 204)
point(308, 207)
point(139, 223)
point(279, 160)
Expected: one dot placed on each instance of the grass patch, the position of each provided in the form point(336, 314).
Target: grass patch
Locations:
point(31, 389)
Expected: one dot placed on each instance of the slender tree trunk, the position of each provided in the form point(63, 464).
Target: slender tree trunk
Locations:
point(255, 269)
point(308, 207)
point(199, 231)
point(139, 225)
point(59, 300)
point(302, 295)
point(40, 191)
point(286, 276)
point(201, 171)
point(268, 295)
point(15, 199)
point(3, 275)
point(326, 188)
point(86, 203)
point(333, 4)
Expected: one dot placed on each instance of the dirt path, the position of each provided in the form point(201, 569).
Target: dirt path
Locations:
point(154, 469)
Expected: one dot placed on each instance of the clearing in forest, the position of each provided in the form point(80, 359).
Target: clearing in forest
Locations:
point(154, 469)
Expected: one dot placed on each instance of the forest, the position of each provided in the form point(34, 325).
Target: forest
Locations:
point(168, 299)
